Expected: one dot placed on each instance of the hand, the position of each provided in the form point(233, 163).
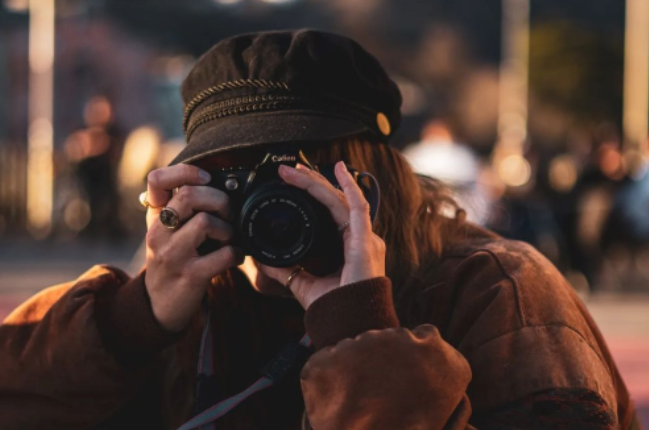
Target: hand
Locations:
point(177, 276)
point(364, 251)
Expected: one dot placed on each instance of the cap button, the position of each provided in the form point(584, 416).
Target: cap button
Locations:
point(383, 123)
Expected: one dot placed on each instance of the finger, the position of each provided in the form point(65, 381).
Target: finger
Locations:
point(318, 187)
point(157, 235)
point(200, 227)
point(299, 284)
point(359, 208)
point(191, 199)
point(161, 181)
point(217, 262)
point(152, 218)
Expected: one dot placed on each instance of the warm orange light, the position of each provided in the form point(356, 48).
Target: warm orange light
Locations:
point(563, 173)
point(514, 170)
point(40, 171)
point(40, 178)
point(611, 162)
point(636, 72)
point(513, 98)
point(17, 5)
point(139, 156)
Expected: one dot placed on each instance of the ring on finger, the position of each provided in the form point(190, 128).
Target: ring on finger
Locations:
point(292, 276)
point(144, 201)
point(343, 226)
point(170, 218)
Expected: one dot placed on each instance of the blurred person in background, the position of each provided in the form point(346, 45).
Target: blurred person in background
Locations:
point(438, 155)
point(591, 201)
point(95, 152)
point(625, 233)
point(416, 319)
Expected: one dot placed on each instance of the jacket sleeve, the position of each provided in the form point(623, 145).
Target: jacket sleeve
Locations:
point(380, 376)
point(73, 354)
point(368, 373)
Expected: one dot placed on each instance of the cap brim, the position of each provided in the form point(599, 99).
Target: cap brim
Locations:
point(241, 131)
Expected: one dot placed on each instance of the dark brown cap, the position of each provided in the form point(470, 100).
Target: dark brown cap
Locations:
point(285, 86)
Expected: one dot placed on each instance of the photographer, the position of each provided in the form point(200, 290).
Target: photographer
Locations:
point(416, 320)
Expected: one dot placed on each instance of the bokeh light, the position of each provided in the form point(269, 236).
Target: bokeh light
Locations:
point(227, 2)
point(77, 214)
point(563, 173)
point(17, 5)
point(278, 1)
point(140, 153)
point(514, 170)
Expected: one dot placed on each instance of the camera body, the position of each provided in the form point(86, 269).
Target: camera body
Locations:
point(278, 224)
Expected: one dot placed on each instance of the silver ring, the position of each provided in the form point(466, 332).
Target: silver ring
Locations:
point(343, 226)
point(293, 275)
point(169, 218)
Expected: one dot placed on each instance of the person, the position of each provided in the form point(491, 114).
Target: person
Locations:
point(95, 152)
point(439, 155)
point(430, 323)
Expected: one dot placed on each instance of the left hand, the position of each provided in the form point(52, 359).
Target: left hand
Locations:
point(364, 251)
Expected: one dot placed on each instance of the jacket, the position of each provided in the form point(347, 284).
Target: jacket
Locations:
point(498, 340)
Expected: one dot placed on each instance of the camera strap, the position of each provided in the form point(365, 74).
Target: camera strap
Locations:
point(373, 194)
point(295, 352)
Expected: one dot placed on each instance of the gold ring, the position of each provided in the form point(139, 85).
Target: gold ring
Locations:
point(293, 275)
point(144, 201)
point(170, 218)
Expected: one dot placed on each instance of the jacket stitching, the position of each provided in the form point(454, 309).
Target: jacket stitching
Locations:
point(430, 287)
point(517, 290)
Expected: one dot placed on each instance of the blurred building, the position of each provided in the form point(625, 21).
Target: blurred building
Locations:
point(94, 57)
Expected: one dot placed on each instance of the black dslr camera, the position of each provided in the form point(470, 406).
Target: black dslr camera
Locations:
point(280, 225)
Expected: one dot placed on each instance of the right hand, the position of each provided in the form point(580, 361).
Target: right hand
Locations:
point(176, 275)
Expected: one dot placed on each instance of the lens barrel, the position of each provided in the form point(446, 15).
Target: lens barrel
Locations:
point(278, 224)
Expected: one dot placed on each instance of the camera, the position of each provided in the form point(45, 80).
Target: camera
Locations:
point(278, 224)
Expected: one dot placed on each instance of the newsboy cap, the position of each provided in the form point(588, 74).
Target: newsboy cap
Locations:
point(282, 87)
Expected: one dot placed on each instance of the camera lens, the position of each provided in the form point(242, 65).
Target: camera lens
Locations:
point(278, 224)
point(279, 227)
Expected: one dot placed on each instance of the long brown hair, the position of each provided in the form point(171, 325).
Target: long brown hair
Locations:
point(411, 219)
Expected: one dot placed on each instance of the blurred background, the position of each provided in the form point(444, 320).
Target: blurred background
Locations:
point(534, 112)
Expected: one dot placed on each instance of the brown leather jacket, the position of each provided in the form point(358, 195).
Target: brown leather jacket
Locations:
point(497, 324)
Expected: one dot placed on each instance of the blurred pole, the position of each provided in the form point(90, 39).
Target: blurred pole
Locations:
point(508, 158)
point(636, 82)
point(40, 175)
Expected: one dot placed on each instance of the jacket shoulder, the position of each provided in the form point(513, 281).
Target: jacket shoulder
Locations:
point(104, 271)
point(99, 276)
point(519, 323)
point(539, 292)
point(506, 252)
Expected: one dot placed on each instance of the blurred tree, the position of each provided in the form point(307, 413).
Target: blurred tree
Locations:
point(578, 71)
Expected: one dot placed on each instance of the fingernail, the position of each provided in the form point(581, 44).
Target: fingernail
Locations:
point(343, 166)
point(301, 166)
point(205, 177)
